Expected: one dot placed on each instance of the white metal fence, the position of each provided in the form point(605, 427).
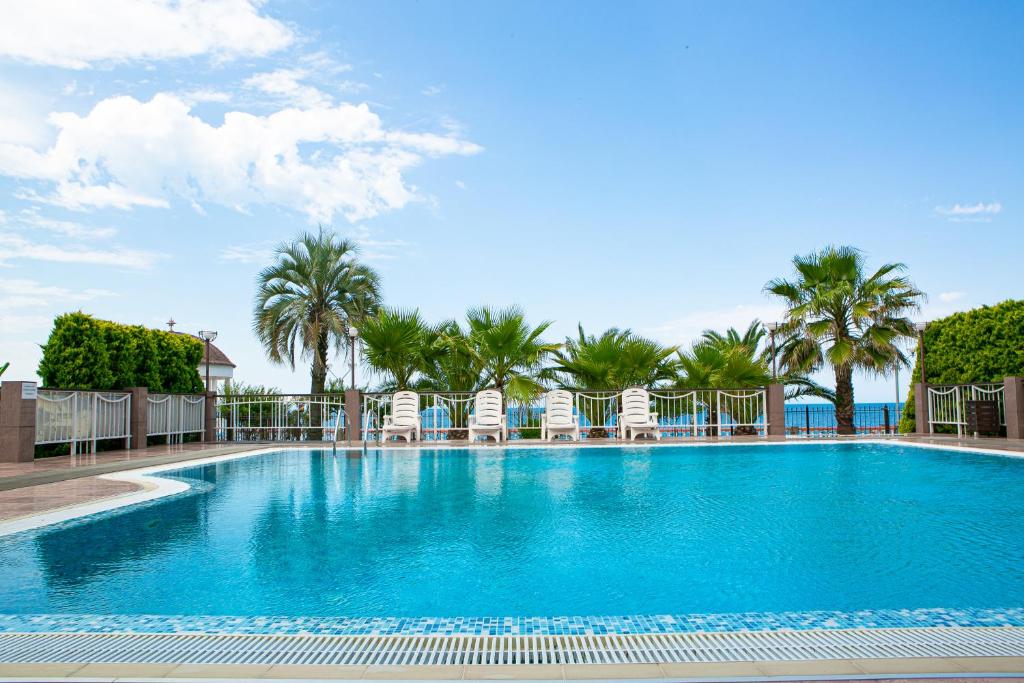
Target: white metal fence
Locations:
point(175, 415)
point(947, 405)
point(81, 418)
point(681, 413)
point(278, 417)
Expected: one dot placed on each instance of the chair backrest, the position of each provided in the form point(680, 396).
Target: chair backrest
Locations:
point(558, 407)
point(405, 408)
point(636, 405)
point(487, 408)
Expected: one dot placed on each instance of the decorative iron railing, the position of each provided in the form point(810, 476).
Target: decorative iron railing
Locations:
point(681, 413)
point(819, 419)
point(280, 417)
point(947, 404)
point(175, 415)
point(81, 418)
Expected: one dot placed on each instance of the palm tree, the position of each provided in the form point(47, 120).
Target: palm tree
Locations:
point(448, 364)
point(508, 351)
point(394, 344)
point(843, 317)
point(614, 360)
point(307, 300)
point(739, 360)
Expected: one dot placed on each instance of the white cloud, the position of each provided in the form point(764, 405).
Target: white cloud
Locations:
point(371, 248)
point(205, 95)
point(970, 212)
point(16, 293)
point(321, 160)
point(459, 184)
point(350, 87)
point(31, 218)
point(14, 247)
point(21, 324)
point(78, 35)
point(683, 331)
point(322, 62)
point(285, 84)
point(433, 90)
point(262, 252)
point(943, 305)
point(23, 116)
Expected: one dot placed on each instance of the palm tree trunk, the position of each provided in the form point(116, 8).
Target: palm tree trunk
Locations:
point(844, 400)
point(318, 377)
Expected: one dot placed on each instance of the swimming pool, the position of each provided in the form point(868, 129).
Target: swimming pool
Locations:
point(842, 528)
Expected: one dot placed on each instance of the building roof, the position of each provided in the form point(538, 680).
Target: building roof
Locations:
point(217, 357)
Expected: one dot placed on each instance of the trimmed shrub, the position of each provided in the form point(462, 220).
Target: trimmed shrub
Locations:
point(981, 345)
point(85, 353)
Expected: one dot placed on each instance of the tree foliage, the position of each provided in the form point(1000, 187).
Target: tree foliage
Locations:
point(612, 360)
point(307, 299)
point(395, 344)
point(842, 316)
point(740, 360)
point(85, 353)
point(981, 345)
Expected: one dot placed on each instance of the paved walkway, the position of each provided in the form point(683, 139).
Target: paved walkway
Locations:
point(894, 670)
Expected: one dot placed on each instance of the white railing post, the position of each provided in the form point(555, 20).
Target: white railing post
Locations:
point(95, 414)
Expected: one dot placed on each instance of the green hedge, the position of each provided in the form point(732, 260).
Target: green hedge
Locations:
point(982, 345)
point(85, 353)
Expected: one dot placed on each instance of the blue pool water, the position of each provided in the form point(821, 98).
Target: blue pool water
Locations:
point(608, 531)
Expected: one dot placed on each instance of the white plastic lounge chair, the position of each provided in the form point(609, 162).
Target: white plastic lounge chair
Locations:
point(404, 420)
point(558, 418)
point(636, 417)
point(487, 418)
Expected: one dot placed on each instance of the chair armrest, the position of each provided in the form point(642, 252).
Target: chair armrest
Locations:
point(543, 419)
point(388, 420)
point(654, 418)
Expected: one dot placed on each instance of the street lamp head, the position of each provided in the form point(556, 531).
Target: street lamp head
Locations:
point(207, 335)
point(921, 326)
point(772, 326)
point(353, 332)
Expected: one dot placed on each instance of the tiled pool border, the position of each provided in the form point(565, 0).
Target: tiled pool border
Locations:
point(156, 488)
point(512, 626)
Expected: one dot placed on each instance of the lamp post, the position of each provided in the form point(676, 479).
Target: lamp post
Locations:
point(771, 331)
point(921, 326)
point(207, 336)
point(353, 336)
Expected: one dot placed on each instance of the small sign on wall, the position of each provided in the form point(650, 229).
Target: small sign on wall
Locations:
point(29, 391)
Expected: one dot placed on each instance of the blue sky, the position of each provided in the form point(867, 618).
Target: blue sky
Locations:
point(642, 165)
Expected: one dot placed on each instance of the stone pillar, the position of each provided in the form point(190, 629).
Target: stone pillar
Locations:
point(353, 414)
point(17, 421)
point(1013, 403)
point(921, 409)
point(210, 417)
point(775, 410)
point(140, 416)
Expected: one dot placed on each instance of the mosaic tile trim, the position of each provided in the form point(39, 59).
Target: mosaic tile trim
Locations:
point(501, 626)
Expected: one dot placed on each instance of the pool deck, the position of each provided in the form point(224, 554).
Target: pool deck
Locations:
point(919, 670)
point(49, 484)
